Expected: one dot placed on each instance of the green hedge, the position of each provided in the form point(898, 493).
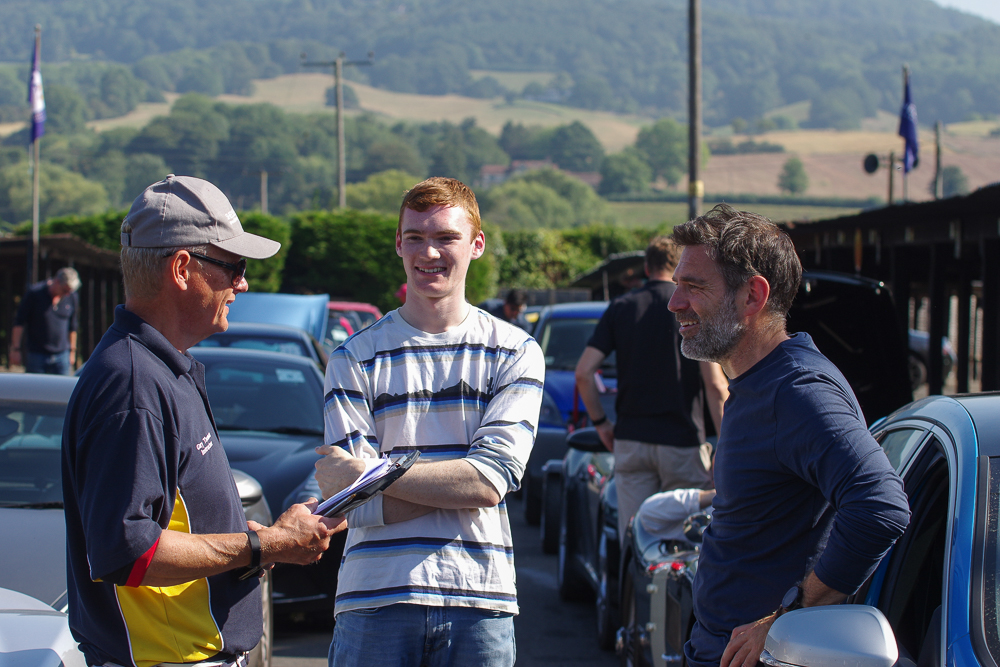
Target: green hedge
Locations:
point(352, 254)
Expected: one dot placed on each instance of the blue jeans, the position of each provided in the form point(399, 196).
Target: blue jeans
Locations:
point(53, 364)
point(410, 635)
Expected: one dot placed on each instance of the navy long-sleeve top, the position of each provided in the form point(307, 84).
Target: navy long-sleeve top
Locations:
point(801, 486)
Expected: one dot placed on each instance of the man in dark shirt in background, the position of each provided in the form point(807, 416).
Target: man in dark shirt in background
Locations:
point(512, 309)
point(659, 436)
point(49, 311)
point(807, 503)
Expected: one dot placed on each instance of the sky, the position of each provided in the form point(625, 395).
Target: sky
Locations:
point(988, 9)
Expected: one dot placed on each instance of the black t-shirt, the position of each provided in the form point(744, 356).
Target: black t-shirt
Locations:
point(141, 454)
point(660, 392)
point(48, 326)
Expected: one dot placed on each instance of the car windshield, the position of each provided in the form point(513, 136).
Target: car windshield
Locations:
point(264, 395)
point(563, 340)
point(255, 342)
point(30, 454)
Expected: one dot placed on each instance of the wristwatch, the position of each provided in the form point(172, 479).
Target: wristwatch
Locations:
point(791, 601)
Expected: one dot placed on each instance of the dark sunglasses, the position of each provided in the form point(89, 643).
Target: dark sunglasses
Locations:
point(239, 268)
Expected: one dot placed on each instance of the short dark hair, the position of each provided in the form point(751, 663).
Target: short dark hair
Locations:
point(516, 297)
point(441, 191)
point(745, 245)
point(662, 254)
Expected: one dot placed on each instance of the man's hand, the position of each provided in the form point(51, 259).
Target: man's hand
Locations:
point(299, 536)
point(337, 470)
point(606, 431)
point(747, 643)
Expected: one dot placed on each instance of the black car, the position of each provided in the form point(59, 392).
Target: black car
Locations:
point(268, 407)
point(852, 321)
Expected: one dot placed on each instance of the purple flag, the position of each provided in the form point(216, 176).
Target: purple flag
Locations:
point(908, 130)
point(36, 99)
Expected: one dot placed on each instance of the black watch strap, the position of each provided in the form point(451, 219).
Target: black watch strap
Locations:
point(254, 548)
point(598, 422)
point(792, 600)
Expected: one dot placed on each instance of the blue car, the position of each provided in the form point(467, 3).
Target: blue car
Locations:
point(937, 587)
point(562, 331)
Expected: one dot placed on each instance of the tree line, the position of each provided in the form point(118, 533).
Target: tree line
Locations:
point(842, 57)
point(85, 172)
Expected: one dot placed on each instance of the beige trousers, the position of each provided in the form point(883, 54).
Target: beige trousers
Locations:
point(642, 469)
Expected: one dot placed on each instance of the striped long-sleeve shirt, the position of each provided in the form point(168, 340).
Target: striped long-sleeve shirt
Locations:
point(472, 392)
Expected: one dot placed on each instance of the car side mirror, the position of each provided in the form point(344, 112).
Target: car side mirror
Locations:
point(585, 440)
point(833, 636)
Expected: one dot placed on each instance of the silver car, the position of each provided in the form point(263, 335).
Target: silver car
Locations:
point(32, 409)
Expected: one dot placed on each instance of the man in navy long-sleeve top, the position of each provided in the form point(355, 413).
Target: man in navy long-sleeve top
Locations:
point(807, 504)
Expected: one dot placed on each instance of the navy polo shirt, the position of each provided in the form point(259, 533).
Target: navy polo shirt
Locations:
point(48, 326)
point(141, 454)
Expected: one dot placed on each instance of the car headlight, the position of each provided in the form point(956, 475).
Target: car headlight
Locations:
point(549, 414)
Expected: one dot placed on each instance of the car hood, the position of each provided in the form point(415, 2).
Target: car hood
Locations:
point(279, 462)
point(32, 633)
point(40, 536)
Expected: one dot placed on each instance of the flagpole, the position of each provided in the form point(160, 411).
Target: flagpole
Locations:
point(35, 169)
point(906, 168)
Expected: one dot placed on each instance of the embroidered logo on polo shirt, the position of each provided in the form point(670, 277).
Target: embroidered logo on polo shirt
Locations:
point(205, 444)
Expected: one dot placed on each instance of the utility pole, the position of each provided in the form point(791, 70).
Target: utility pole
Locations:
point(263, 191)
point(938, 180)
point(696, 188)
point(892, 168)
point(338, 71)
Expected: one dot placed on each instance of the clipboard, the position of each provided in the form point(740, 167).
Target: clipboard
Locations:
point(341, 503)
point(336, 506)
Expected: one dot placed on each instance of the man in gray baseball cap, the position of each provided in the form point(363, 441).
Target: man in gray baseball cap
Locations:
point(154, 525)
point(183, 210)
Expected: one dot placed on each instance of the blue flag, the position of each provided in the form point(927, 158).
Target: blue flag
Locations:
point(36, 99)
point(908, 130)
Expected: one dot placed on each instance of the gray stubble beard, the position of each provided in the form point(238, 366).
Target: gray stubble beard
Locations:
point(718, 336)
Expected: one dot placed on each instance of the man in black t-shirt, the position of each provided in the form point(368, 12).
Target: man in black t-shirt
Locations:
point(49, 312)
point(659, 437)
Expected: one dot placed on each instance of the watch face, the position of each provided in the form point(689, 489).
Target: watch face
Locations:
point(791, 597)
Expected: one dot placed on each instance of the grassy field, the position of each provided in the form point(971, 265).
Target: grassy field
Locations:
point(305, 93)
point(515, 81)
point(653, 214)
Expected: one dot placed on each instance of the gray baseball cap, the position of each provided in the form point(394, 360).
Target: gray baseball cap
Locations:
point(187, 211)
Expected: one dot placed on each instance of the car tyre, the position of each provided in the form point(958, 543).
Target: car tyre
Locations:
point(607, 609)
point(573, 586)
point(532, 493)
point(552, 491)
